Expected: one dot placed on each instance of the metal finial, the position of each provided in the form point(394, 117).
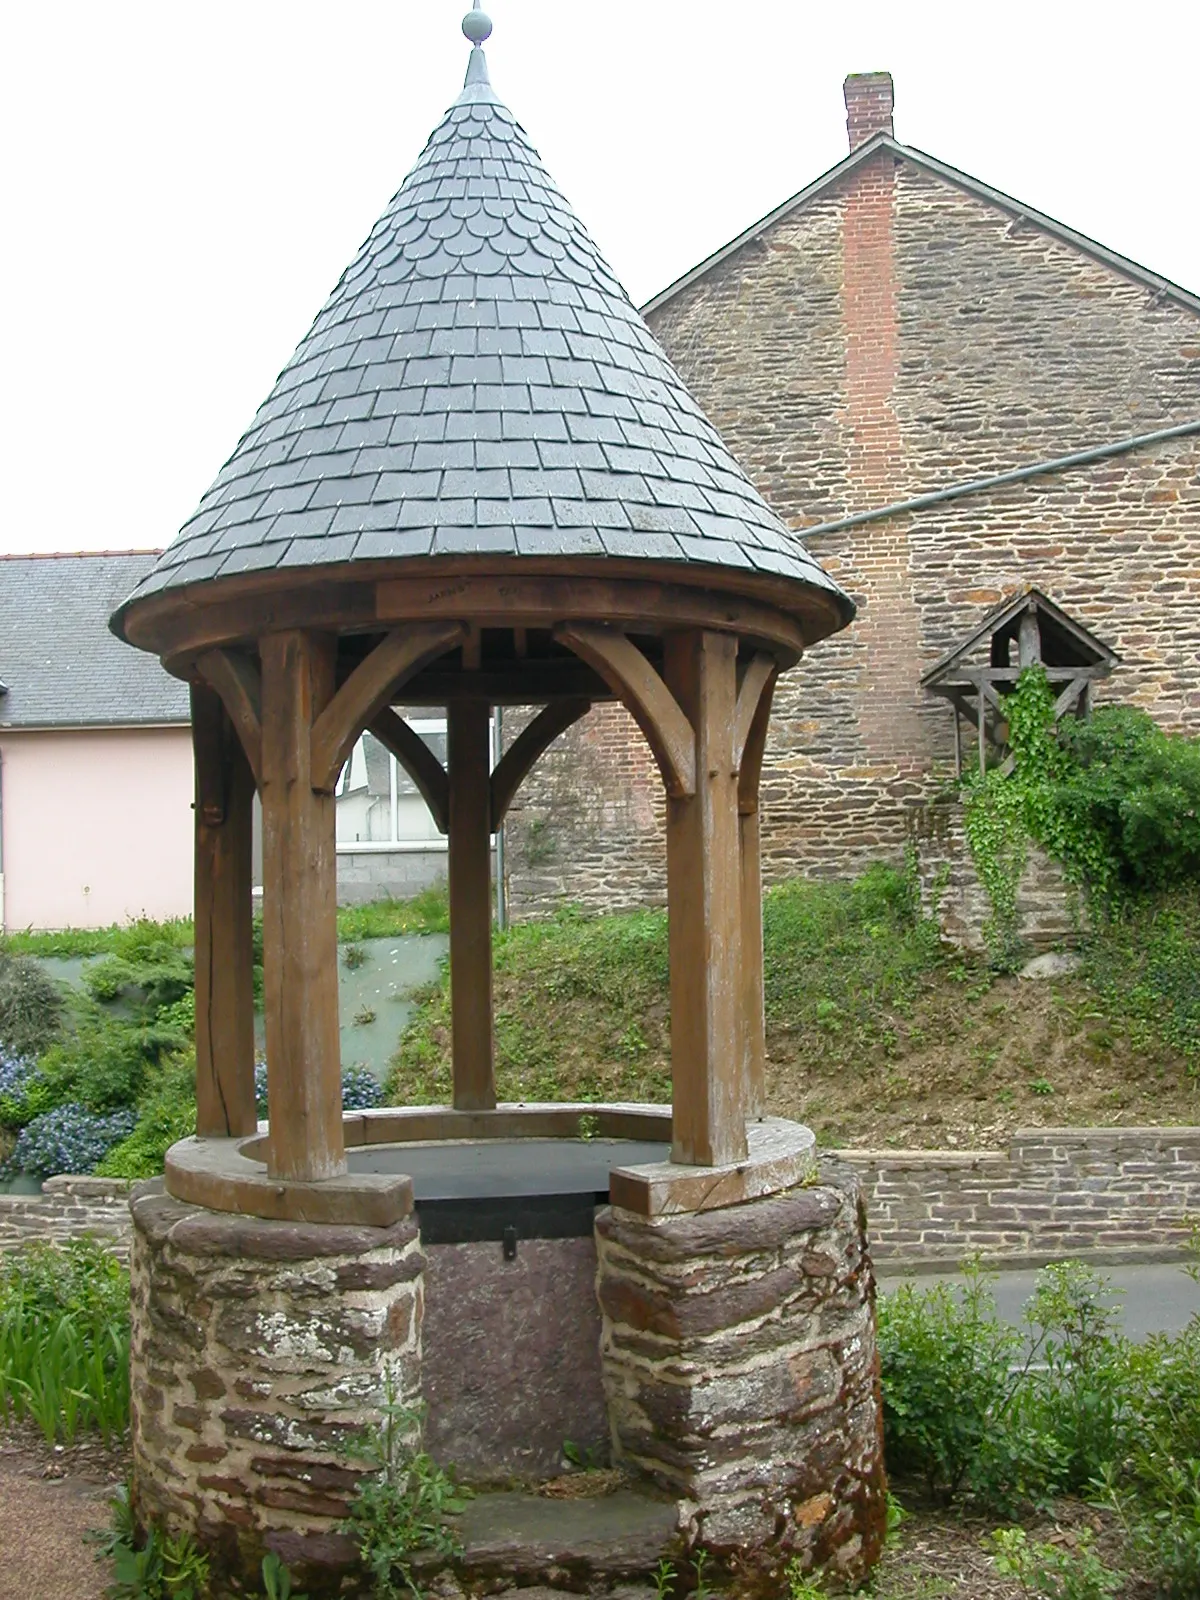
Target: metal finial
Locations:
point(477, 25)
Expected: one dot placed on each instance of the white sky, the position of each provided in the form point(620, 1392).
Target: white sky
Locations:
point(183, 184)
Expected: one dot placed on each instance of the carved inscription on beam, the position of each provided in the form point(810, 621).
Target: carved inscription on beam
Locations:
point(514, 765)
point(651, 704)
point(367, 690)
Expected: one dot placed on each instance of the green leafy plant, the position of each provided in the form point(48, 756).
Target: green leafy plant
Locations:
point(664, 1576)
point(801, 1587)
point(353, 957)
point(158, 1567)
point(1114, 798)
point(699, 1564)
point(64, 1340)
point(1065, 1571)
point(401, 1506)
point(277, 1580)
point(589, 1126)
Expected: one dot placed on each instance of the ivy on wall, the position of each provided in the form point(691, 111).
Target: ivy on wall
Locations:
point(1114, 799)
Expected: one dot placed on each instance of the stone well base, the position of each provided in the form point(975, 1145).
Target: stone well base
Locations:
point(741, 1372)
point(259, 1350)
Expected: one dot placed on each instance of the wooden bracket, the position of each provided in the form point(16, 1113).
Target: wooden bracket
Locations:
point(365, 692)
point(761, 670)
point(237, 680)
point(418, 760)
point(533, 741)
point(760, 680)
point(651, 704)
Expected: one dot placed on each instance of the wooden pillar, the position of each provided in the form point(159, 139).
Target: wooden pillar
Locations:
point(469, 762)
point(704, 902)
point(753, 998)
point(300, 990)
point(224, 934)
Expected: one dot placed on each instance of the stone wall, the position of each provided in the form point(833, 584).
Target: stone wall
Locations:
point(1056, 1192)
point(896, 335)
point(66, 1209)
point(742, 1375)
point(1050, 912)
point(260, 1350)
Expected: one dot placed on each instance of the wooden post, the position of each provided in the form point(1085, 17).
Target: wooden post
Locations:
point(469, 761)
point(753, 998)
point(224, 934)
point(704, 902)
point(300, 992)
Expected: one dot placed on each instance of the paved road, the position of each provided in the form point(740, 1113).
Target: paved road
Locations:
point(1158, 1298)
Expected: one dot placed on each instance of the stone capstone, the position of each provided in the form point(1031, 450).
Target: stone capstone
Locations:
point(741, 1373)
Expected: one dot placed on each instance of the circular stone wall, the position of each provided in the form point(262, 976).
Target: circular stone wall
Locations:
point(741, 1372)
point(259, 1351)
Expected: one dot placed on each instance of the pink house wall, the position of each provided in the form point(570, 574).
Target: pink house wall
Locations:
point(96, 826)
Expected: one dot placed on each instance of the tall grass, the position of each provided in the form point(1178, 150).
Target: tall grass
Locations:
point(64, 1340)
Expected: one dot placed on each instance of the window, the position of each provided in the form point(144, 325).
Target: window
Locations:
point(378, 806)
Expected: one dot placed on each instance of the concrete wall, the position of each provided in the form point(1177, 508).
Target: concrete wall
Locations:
point(97, 826)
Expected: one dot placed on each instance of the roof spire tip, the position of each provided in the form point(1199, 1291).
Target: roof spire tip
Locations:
point(477, 25)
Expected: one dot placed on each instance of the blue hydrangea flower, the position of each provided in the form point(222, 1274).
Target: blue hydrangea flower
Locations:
point(15, 1073)
point(360, 1089)
point(68, 1139)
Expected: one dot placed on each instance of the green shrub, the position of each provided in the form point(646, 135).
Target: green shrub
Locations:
point(951, 1381)
point(1135, 788)
point(1155, 1485)
point(32, 1007)
point(1078, 1394)
point(1114, 798)
point(166, 1112)
point(64, 1339)
point(1143, 958)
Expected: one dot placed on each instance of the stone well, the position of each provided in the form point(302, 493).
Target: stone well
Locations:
point(723, 1353)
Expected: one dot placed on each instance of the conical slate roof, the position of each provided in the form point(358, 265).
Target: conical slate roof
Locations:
point(479, 384)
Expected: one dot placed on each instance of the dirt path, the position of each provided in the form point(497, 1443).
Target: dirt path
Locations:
point(43, 1520)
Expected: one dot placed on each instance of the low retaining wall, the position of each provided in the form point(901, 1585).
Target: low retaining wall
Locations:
point(66, 1209)
point(1115, 1192)
point(1100, 1192)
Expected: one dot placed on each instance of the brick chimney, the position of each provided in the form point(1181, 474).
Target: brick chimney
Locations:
point(869, 101)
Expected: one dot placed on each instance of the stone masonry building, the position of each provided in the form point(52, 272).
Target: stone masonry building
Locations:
point(950, 397)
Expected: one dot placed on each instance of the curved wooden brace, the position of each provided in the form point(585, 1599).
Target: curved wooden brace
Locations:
point(513, 767)
point(401, 653)
point(750, 748)
point(418, 760)
point(754, 680)
point(651, 704)
point(238, 681)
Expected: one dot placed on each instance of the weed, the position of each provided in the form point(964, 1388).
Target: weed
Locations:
point(699, 1563)
point(277, 1580)
point(402, 1506)
point(801, 1587)
point(664, 1576)
point(1041, 1086)
point(1056, 1571)
point(583, 1458)
point(353, 957)
point(589, 1126)
point(364, 1016)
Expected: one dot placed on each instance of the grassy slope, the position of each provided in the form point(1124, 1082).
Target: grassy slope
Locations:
point(875, 1033)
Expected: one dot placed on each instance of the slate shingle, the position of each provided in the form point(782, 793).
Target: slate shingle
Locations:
point(477, 330)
